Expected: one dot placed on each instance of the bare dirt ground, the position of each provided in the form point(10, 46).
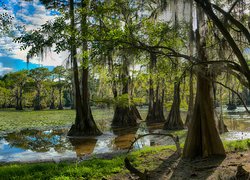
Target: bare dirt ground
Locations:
point(174, 167)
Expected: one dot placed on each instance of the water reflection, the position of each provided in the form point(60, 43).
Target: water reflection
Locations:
point(124, 137)
point(39, 141)
point(33, 145)
point(83, 147)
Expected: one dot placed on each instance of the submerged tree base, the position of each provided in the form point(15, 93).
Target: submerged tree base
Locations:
point(126, 116)
point(86, 131)
point(174, 121)
point(155, 114)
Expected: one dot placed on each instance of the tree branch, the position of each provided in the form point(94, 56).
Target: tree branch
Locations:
point(234, 21)
point(244, 104)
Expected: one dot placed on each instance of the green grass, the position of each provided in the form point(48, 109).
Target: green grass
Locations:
point(238, 145)
point(89, 169)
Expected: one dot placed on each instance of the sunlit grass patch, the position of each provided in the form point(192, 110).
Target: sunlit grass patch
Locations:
point(238, 145)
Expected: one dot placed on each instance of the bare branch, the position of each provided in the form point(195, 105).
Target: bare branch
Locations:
point(244, 104)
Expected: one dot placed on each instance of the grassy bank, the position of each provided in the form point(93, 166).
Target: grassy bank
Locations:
point(89, 169)
point(149, 157)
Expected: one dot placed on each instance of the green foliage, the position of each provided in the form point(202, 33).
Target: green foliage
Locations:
point(123, 101)
point(238, 145)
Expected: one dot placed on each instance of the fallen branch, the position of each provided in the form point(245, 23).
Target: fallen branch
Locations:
point(133, 170)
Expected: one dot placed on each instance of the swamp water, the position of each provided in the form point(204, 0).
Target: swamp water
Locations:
point(53, 145)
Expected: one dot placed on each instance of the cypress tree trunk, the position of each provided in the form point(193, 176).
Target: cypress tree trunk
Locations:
point(127, 115)
point(222, 128)
point(84, 122)
point(203, 139)
point(155, 107)
point(60, 106)
point(37, 102)
point(21, 99)
point(191, 52)
point(52, 104)
point(17, 99)
point(191, 100)
point(174, 121)
point(72, 93)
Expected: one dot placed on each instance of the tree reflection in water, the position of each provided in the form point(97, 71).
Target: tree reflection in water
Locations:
point(124, 137)
point(83, 146)
point(39, 141)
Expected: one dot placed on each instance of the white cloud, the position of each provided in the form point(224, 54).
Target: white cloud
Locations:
point(30, 156)
point(24, 17)
point(4, 70)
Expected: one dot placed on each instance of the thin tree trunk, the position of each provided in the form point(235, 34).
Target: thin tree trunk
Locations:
point(155, 107)
point(52, 104)
point(75, 128)
point(191, 100)
point(17, 99)
point(72, 94)
point(21, 99)
point(60, 106)
point(191, 52)
point(37, 103)
point(222, 128)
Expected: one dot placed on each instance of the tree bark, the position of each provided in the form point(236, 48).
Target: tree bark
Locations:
point(60, 106)
point(17, 98)
point(203, 139)
point(155, 107)
point(127, 115)
point(37, 102)
point(21, 98)
point(191, 100)
point(174, 121)
point(84, 122)
point(52, 104)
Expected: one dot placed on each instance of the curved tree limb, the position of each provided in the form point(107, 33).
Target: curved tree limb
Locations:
point(234, 21)
point(132, 169)
point(207, 7)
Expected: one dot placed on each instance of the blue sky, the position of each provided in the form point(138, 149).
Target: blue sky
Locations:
point(31, 15)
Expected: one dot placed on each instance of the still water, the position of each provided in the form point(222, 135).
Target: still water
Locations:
point(53, 144)
point(35, 145)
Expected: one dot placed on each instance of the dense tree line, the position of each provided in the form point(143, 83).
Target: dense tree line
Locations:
point(37, 88)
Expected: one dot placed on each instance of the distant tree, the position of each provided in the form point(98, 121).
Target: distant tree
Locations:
point(5, 93)
point(59, 73)
point(17, 80)
point(39, 75)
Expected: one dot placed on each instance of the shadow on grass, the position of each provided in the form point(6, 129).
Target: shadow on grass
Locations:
point(174, 167)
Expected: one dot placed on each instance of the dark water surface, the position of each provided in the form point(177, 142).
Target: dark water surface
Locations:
point(53, 144)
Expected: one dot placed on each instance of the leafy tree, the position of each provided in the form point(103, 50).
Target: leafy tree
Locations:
point(17, 81)
point(59, 73)
point(39, 75)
